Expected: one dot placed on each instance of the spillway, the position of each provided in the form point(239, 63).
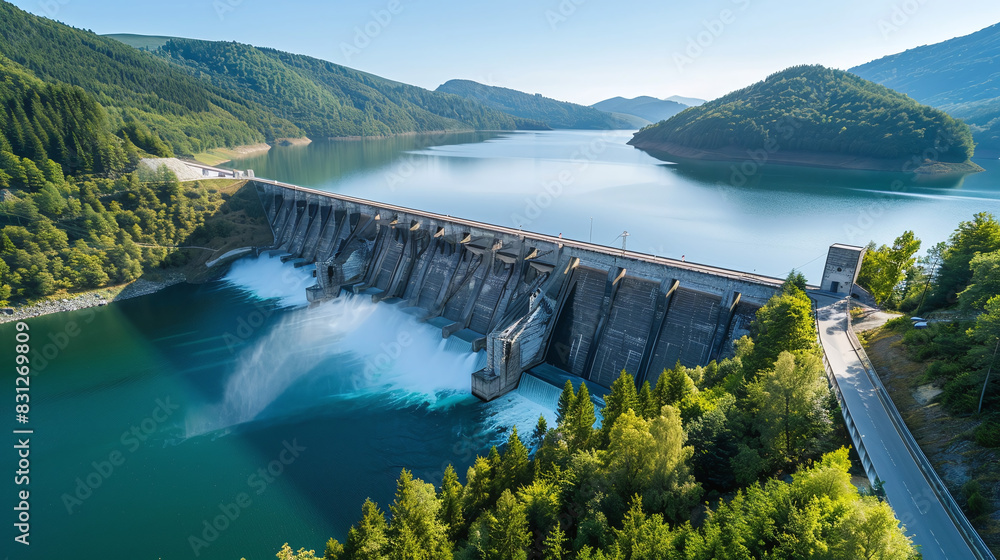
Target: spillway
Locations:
point(516, 300)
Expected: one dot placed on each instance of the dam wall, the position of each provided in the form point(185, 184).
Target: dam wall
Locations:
point(527, 299)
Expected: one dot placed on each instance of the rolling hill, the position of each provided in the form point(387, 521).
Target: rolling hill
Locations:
point(553, 113)
point(815, 116)
point(960, 76)
point(650, 109)
point(182, 96)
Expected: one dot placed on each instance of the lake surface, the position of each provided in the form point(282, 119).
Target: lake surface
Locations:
point(156, 414)
point(758, 219)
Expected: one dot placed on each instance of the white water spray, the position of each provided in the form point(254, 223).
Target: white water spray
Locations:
point(361, 349)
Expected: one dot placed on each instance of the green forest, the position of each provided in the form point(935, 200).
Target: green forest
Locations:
point(555, 114)
point(73, 214)
point(820, 110)
point(693, 467)
point(961, 277)
point(325, 99)
point(192, 96)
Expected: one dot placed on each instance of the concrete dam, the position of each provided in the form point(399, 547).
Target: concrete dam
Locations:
point(550, 307)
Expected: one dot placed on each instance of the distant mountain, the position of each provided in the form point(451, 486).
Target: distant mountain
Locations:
point(187, 96)
point(328, 100)
point(648, 108)
point(553, 113)
point(816, 116)
point(689, 101)
point(960, 76)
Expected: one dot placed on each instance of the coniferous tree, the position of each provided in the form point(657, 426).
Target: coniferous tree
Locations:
point(622, 397)
point(565, 402)
point(368, 540)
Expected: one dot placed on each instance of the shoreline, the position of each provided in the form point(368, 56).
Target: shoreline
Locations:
point(94, 298)
point(218, 156)
point(669, 151)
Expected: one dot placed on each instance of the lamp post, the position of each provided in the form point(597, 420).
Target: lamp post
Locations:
point(988, 371)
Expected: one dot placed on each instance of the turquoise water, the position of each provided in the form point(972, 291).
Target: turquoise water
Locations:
point(226, 378)
point(219, 382)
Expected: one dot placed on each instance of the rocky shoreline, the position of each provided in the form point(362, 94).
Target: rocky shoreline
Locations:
point(96, 298)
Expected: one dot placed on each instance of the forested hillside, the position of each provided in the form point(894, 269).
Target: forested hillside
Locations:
point(73, 214)
point(636, 487)
point(960, 76)
point(190, 96)
point(555, 114)
point(326, 99)
point(817, 110)
point(137, 89)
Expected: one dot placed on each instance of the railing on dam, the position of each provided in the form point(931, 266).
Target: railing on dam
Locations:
point(702, 268)
point(527, 298)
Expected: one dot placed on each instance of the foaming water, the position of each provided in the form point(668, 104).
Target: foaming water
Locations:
point(269, 278)
point(346, 349)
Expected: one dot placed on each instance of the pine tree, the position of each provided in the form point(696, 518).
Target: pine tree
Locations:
point(541, 428)
point(450, 497)
point(508, 529)
point(621, 398)
point(514, 467)
point(582, 419)
point(647, 403)
point(565, 403)
point(554, 544)
point(333, 551)
point(416, 530)
point(368, 539)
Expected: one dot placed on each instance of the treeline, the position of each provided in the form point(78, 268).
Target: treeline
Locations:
point(74, 214)
point(326, 99)
point(817, 109)
point(556, 114)
point(633, 488)
point(76, 234)
point(186, 113)
point(54, 122)
point(961, 275)
point(191, 96)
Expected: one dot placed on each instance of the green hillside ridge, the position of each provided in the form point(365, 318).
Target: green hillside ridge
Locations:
point(137, 89)
point(816, 116)
point(188, 96)
point(960, 76)
point(553, 113)
point(328, 100)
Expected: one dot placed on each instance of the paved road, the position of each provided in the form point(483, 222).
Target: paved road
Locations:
point(908, 491)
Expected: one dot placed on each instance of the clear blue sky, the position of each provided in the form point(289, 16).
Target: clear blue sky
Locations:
point(575, 50)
